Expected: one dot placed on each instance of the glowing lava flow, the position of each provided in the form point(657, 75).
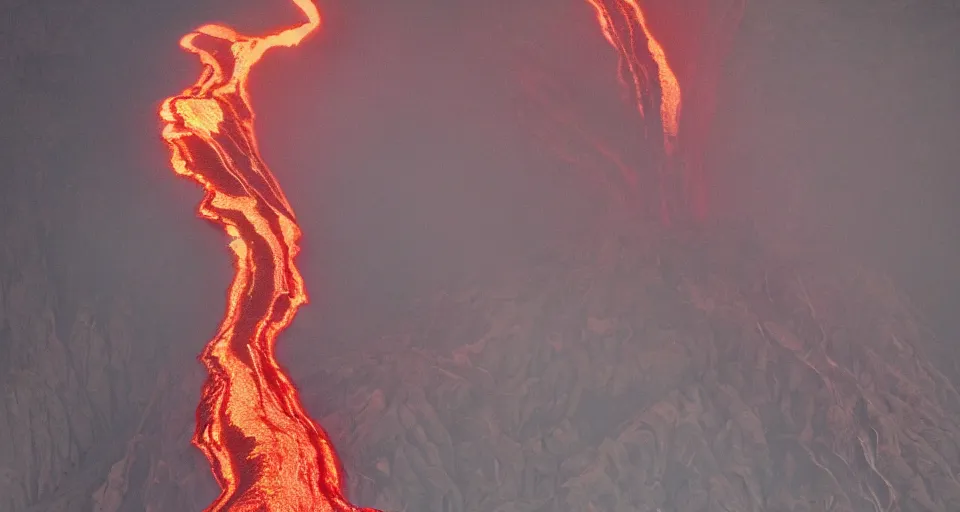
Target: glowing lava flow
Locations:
point(670, 100)
point(265, 452)
point(685, 116)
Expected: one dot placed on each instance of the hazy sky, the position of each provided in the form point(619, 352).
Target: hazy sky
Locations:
point(395, 133)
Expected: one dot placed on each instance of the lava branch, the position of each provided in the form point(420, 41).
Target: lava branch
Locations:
point(670, 94)
point(264, 450)
point(685, 115)
point(671, 97)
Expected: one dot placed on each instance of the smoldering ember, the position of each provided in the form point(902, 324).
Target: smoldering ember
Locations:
point(589, 255)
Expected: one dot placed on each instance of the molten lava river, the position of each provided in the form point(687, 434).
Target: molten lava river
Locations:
point(266, 453)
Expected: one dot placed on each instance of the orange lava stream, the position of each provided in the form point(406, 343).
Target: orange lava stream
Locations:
point(625, 52)
point(264, 451)
point(671, 98)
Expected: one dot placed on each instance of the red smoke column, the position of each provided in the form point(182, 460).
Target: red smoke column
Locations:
point(265, 452)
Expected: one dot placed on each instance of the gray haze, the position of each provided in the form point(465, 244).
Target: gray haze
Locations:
point(842, 128)
point(395, 134)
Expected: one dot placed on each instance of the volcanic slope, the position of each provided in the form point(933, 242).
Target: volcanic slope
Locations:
point(679, 375)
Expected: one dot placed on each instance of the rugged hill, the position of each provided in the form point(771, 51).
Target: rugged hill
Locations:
point(647, 372)
point(682, 375)
point(71, 380)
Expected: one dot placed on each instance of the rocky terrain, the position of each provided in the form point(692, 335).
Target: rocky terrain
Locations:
point(71, 381)
point(693, 375)
point(685, 372)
